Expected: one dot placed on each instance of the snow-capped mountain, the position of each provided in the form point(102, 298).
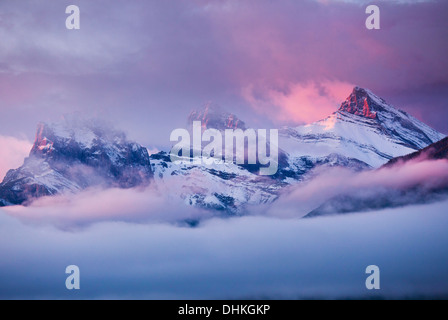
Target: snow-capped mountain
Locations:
point(227, 187)
point(364, 133)
point(365, 128)
point(74, 155)
point(224, 187)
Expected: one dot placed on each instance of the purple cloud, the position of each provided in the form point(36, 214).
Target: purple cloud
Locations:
point(145, 65)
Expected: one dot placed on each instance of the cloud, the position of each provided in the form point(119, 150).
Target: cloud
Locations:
point(164, 202)
point(35, 39)
point(248, 257)
point(366, 2)
point(299, 103)
point(12, 153)
point(145, 65)
point(93, 205)
point(298, 200)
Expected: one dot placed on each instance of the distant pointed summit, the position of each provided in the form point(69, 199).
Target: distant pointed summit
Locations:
point(213, 117)
point(365, 127)
point(359, 103)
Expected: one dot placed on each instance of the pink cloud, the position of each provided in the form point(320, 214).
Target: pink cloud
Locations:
point(12, 153)
point(299, 102)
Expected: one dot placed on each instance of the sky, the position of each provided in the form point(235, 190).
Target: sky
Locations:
point(144, 65)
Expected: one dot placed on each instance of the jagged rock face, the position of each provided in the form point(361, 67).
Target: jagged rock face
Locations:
point(359, 103)
point(75, 155)
point(107, 151)
point(211, 116)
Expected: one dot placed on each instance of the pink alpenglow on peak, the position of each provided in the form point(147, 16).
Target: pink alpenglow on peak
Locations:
point(358, 103)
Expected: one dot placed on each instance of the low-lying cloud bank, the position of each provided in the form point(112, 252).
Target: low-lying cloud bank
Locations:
point(137, 205)
point(249, 257)
point(128, 243)
point(421, 175)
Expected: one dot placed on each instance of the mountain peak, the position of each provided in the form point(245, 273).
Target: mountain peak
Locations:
point(396, 123)
point(73, 131)
point(42, 144)
point(71, 156)
point(212, 116)
point(361, 103)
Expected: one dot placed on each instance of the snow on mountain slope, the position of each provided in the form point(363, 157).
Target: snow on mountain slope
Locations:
point(365, 128)
point(365, 132)
point(397, 123)
point(224, 187)
point(73, 155)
